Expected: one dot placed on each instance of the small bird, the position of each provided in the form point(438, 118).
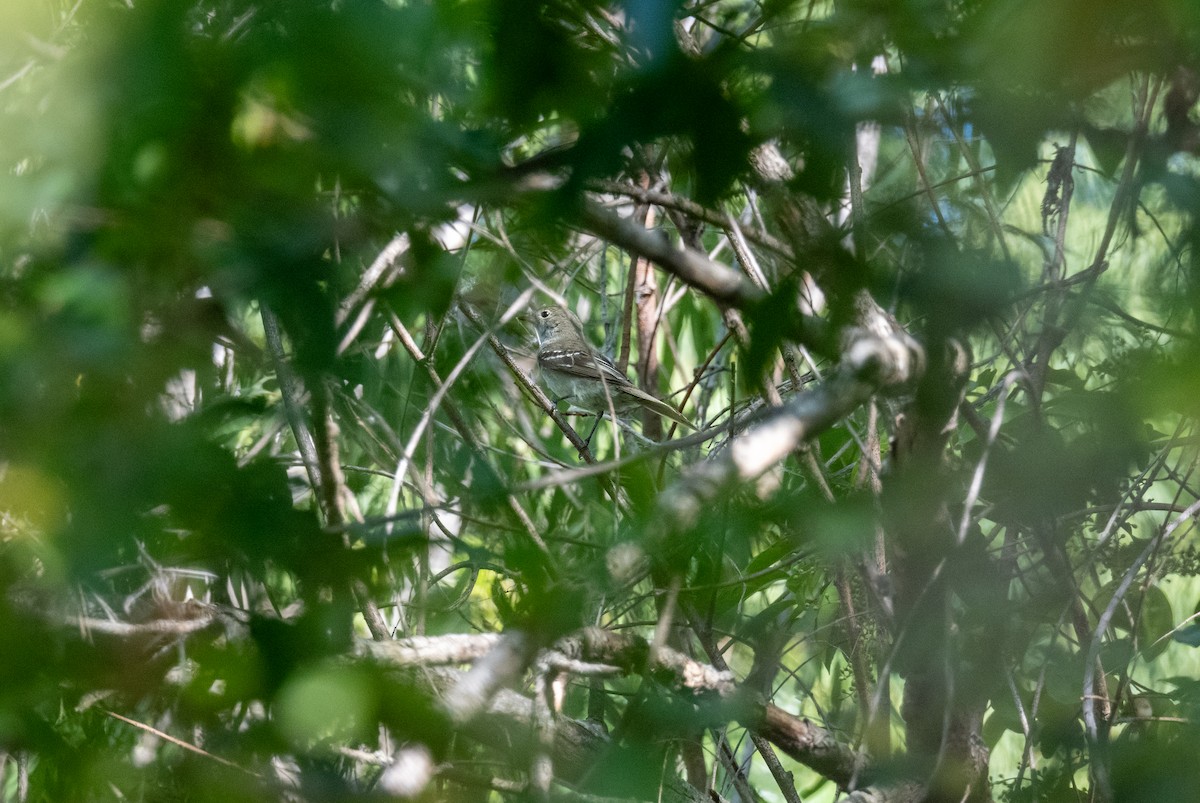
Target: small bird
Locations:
point(571, 369)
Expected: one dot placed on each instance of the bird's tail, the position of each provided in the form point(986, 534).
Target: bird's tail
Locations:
point(658, 406)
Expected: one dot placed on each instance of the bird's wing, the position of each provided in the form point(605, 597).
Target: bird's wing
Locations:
point(584, 365)
point(597, 366)
point(611, 373)
point(622, 384)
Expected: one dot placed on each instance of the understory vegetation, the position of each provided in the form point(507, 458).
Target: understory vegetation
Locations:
point(287, 512)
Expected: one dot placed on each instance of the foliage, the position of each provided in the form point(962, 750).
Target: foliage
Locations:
point(923, 274)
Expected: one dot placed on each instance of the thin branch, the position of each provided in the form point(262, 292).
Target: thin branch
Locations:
point(460, 424)
point(179, 742)
point(1100, 766)
point(292, 391)
point(436, 399)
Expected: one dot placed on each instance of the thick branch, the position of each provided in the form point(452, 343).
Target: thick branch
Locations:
point(688, 207)
point(457, 648)
point(811, 745)
point(873, 361)
point(577, 745)
point(720, 282)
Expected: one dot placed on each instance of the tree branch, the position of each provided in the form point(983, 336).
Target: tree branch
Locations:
point(720, 282)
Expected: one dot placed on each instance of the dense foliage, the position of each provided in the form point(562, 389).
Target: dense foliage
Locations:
point(285, 515)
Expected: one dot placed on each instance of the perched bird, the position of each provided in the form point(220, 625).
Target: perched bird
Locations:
point(571, 369)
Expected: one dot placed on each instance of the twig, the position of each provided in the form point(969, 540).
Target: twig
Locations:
point(179, 742)
point(292, 392)
point(1099, 756)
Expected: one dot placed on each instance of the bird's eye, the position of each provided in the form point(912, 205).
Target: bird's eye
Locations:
point(544, 313)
